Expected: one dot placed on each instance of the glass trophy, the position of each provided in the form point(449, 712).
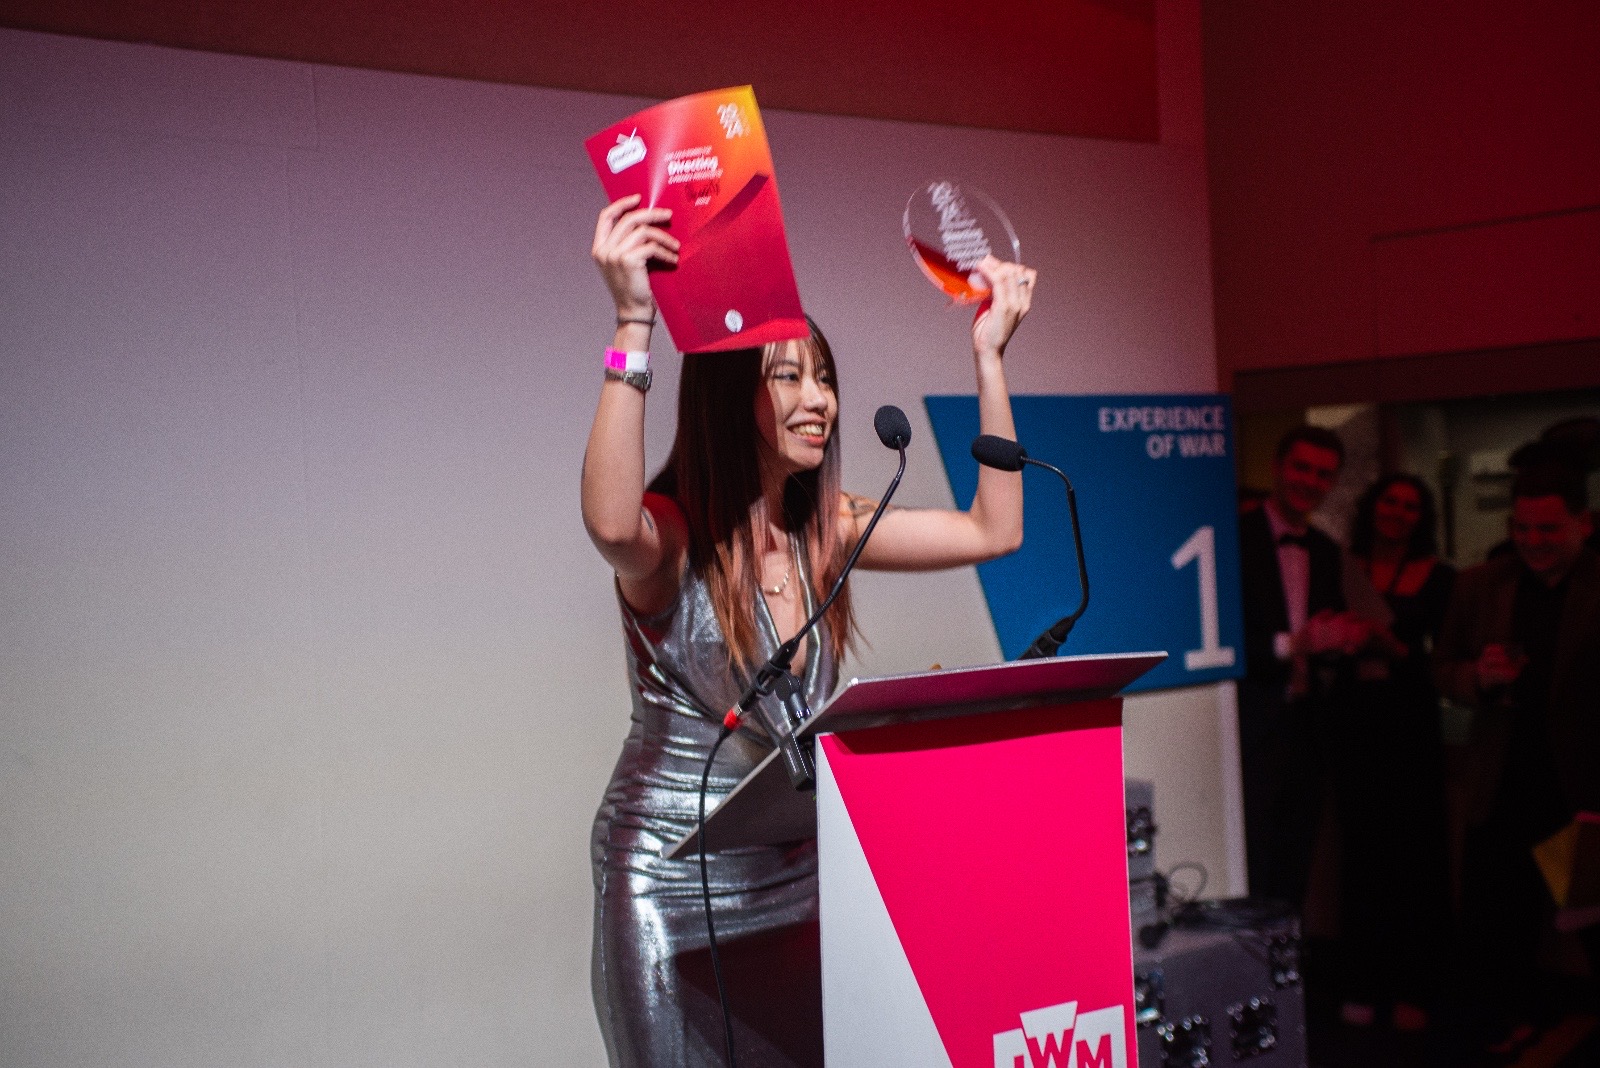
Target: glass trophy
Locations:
point(950, 229)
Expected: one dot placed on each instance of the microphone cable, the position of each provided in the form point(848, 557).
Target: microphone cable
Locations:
point(723, 734)
point(894, 430)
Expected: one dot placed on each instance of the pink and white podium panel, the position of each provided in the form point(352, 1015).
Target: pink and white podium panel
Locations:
point(974, 893)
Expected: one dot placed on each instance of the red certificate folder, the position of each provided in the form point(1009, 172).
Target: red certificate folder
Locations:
point(706, 158)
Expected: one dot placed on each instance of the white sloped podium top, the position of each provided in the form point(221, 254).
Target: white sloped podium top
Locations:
point(765, 809)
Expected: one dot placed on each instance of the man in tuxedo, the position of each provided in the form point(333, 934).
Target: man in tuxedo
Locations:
point(1296, 627)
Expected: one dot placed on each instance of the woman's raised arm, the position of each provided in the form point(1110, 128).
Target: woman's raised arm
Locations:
point(917, 539)
point(637, 536)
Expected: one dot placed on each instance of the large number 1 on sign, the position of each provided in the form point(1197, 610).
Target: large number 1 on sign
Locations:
point(1202, 546)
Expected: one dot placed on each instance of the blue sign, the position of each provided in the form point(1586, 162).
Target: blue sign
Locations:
point(1154, 476)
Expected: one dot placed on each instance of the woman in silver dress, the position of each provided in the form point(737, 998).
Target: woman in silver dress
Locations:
point(718, 560)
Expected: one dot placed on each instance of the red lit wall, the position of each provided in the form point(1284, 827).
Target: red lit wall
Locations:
point(1390, 180)
point(1081, 67)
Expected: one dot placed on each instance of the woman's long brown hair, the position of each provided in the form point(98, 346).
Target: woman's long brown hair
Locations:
point(714, 473)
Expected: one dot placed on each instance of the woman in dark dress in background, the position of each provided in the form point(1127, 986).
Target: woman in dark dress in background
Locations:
point(1389, 779)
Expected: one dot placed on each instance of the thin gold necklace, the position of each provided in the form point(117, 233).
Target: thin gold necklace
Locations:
point(788, 573)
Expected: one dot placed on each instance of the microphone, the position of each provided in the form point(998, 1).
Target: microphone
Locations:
point(1003, 454)
point(893, 428)
point(774, 678)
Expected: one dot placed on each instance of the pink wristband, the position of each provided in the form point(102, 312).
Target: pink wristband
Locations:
point(617, 360)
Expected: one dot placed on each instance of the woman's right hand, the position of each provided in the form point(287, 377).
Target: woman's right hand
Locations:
point(625, 241)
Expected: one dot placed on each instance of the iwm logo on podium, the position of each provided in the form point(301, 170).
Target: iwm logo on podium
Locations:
point(1061, 1037)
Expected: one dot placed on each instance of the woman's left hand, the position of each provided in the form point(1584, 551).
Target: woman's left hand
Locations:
point(1010, 296)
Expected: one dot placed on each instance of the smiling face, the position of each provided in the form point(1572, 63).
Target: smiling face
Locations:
point(1547, 535)
point(1396, 513)
point(1302, 479)
point(796, 411)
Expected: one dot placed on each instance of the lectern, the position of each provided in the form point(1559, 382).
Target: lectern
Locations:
point(972, 849)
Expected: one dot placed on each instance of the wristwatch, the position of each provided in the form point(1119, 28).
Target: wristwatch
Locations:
point(631, 367)
point(639, 380)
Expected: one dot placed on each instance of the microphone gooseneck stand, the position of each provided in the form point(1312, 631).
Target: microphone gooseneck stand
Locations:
point(774, 678)
point(1003, 454)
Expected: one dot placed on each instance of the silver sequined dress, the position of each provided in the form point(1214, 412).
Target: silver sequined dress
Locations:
point(653, 986)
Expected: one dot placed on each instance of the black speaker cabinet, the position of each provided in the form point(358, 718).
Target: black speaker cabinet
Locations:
point(1141, 807)
point(1208, 996)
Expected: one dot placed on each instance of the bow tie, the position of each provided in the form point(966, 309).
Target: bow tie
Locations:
point(1302, 540)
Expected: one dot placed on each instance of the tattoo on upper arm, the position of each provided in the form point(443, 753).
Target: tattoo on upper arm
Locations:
point(858, 507)
point(649, 520)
